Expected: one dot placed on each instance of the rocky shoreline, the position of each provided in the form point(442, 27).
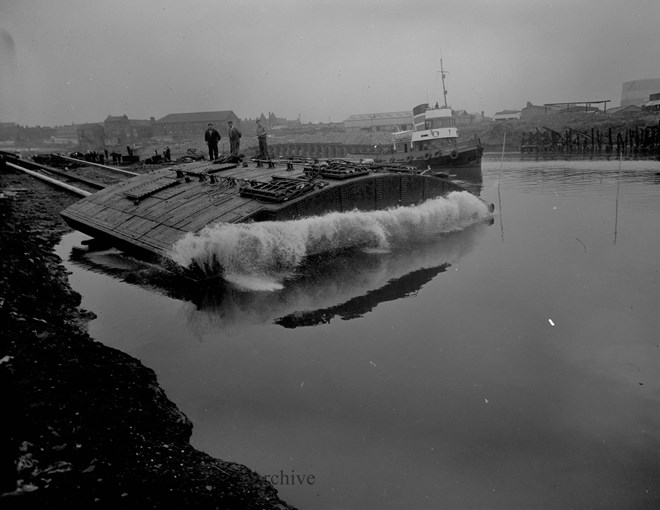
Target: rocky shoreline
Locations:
point(87, 425)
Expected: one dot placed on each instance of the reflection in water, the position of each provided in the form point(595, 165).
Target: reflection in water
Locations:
point(565, 177)
point(616, 209)
point(358, 306)
point(347, 284)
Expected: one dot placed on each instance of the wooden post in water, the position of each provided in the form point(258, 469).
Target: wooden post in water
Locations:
point(593, 145)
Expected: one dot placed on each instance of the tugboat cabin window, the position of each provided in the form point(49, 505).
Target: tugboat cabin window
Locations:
point(440, 123)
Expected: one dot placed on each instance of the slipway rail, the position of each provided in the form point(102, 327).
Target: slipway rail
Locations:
point(64, 179)
point(91, 163)
point(50, 180)
point(67, 175)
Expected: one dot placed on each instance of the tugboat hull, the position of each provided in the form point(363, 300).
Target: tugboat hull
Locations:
point(462, 162)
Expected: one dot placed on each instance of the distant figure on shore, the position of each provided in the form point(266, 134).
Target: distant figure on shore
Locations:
point(262, 136)
point(167, 154)
point(234, 139)
point(212, 137)
point(129, 150)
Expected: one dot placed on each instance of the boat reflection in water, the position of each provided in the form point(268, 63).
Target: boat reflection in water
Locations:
point(408, 248)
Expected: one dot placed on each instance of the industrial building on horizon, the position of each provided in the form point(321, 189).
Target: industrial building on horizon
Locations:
point(636, 96)
point(638, 92)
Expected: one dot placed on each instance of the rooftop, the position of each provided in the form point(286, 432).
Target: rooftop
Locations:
point(374, 116)
point(198, 117)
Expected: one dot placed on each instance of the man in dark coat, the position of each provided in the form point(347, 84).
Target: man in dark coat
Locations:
point(234, 138)
point(262, 137)
point(212, 137)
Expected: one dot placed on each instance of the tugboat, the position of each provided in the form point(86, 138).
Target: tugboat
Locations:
point(152, 212)
point(433, 144)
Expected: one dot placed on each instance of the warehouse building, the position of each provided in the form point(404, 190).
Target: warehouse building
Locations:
point(190, 125)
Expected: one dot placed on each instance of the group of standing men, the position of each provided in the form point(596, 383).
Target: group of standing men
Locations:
point(212, 137)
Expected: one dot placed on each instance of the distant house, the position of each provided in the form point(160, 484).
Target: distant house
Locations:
point(8, 131)
point(533, 110)
point(66, 134)
point(273, 121)
point(463, 117)
point(507, 115)
point(91, 136)
point(120, 130)
point(391, 121)
point(653, 105)
point(191, 125)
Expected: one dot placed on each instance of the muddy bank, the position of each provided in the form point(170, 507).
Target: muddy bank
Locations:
point(87, 425)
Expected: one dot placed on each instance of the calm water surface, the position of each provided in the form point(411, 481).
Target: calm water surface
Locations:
point(511, 365)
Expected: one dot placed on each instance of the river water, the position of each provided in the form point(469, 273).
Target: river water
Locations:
point(506, 364)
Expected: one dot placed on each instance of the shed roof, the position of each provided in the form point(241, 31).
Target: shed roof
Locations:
point(374, 116)
point(198, 117)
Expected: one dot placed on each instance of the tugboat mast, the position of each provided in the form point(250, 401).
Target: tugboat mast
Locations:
point(444, 90)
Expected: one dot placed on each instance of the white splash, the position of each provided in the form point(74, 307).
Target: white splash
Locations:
point(253, 282)
point(272, 250)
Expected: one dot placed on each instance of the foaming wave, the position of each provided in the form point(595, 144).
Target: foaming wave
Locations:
point(253, 283)
point(270, 251)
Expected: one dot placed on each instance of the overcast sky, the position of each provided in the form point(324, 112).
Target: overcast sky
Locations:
point(64, 61)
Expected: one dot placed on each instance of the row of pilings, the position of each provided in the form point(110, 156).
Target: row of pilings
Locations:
point(639, 142)
point(317, 150)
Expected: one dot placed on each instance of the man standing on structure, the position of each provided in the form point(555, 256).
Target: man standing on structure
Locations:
point(212, 137)
point(262, 136)
point(234, 139)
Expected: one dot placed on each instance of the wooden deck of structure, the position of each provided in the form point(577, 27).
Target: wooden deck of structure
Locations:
point(152, 211)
